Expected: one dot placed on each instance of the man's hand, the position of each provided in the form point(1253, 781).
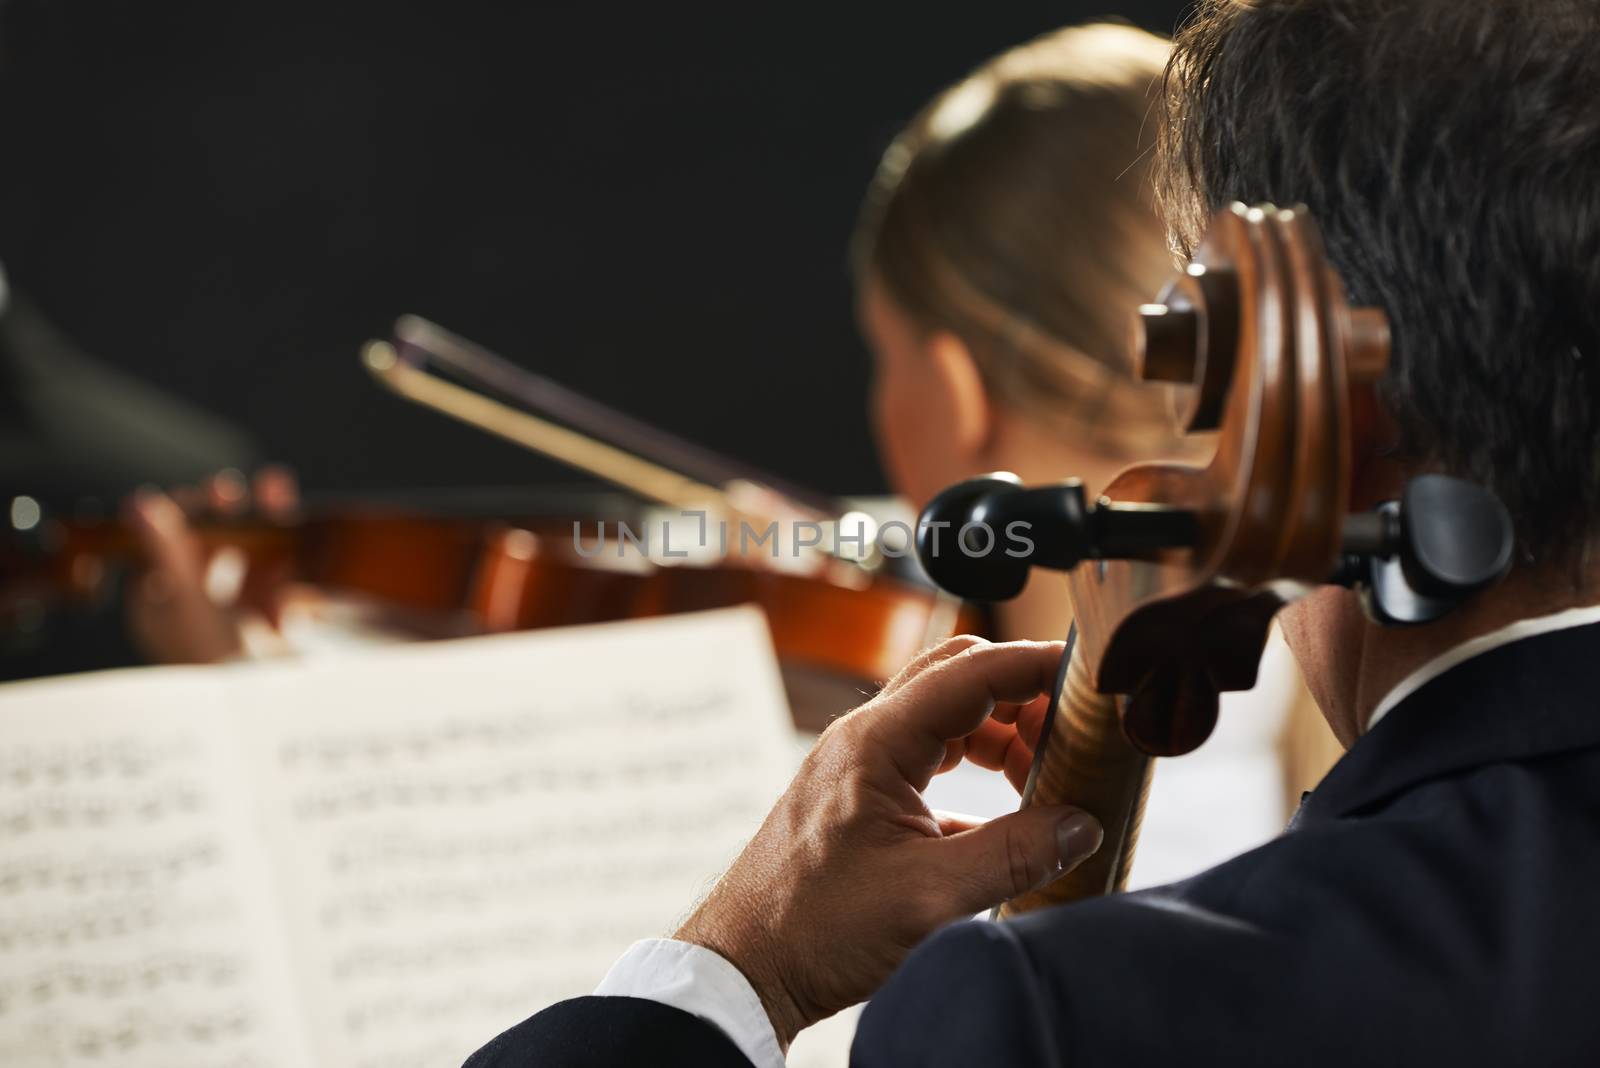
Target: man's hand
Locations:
point(851, 869)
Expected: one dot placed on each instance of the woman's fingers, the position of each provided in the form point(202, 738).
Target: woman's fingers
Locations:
point(171, 616)
point(226, 492)
point(277, 492)
point(163, 533)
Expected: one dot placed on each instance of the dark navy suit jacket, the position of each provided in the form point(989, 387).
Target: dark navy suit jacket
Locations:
point(1437, 901)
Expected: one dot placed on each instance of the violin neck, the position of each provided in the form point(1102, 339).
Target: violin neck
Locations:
point(113, 539)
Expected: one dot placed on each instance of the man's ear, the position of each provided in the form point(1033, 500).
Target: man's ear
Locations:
point(1376, 474)
point(963, 395)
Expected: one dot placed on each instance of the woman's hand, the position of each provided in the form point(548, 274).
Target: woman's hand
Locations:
point(176, 613)
point(851, 869)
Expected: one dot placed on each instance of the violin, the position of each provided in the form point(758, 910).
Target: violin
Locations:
point(1175, 573)
point(840, 624)
point(418, 561)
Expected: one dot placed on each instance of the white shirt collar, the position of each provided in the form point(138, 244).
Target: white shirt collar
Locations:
point(1522, 628)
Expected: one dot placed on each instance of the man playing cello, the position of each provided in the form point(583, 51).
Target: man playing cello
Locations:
point(1432, 902)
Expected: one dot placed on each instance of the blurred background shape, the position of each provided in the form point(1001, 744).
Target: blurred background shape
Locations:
point(652, 206)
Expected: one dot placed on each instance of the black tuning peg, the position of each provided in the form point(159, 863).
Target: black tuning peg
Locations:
point(1416, 558)
point(979, 538)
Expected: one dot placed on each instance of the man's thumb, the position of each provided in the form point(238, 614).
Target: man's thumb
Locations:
point(1018, 852)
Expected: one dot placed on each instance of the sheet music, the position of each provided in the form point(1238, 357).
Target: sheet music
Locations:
point(136, 922)
point(465, 832)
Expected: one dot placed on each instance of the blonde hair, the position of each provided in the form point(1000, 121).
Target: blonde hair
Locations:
point(1017, 212)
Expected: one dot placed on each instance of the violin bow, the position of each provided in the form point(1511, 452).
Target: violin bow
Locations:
point(411, 379)
point(494, 394)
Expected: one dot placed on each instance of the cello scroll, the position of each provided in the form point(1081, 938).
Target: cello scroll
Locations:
point(1174, 575)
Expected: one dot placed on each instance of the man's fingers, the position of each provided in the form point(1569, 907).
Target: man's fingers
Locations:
point(1018, 764)
point(998, 748)
point(986, 746)
point(1013, 854)
point(929, 657)
point(1005, 741)
point(952, 823)
point(952, 697)
point(1030, 719)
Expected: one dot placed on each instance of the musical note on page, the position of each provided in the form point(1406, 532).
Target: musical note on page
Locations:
point(468, 831)
point(135, 924)
point(383, 858)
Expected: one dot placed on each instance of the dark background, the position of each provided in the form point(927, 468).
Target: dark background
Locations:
point(649, 205)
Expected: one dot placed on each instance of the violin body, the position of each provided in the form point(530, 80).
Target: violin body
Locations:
point(837, 634)
point(837, 631)
point(840, 628)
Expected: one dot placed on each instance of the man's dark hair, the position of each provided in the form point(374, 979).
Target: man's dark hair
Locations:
point(1450, 151)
